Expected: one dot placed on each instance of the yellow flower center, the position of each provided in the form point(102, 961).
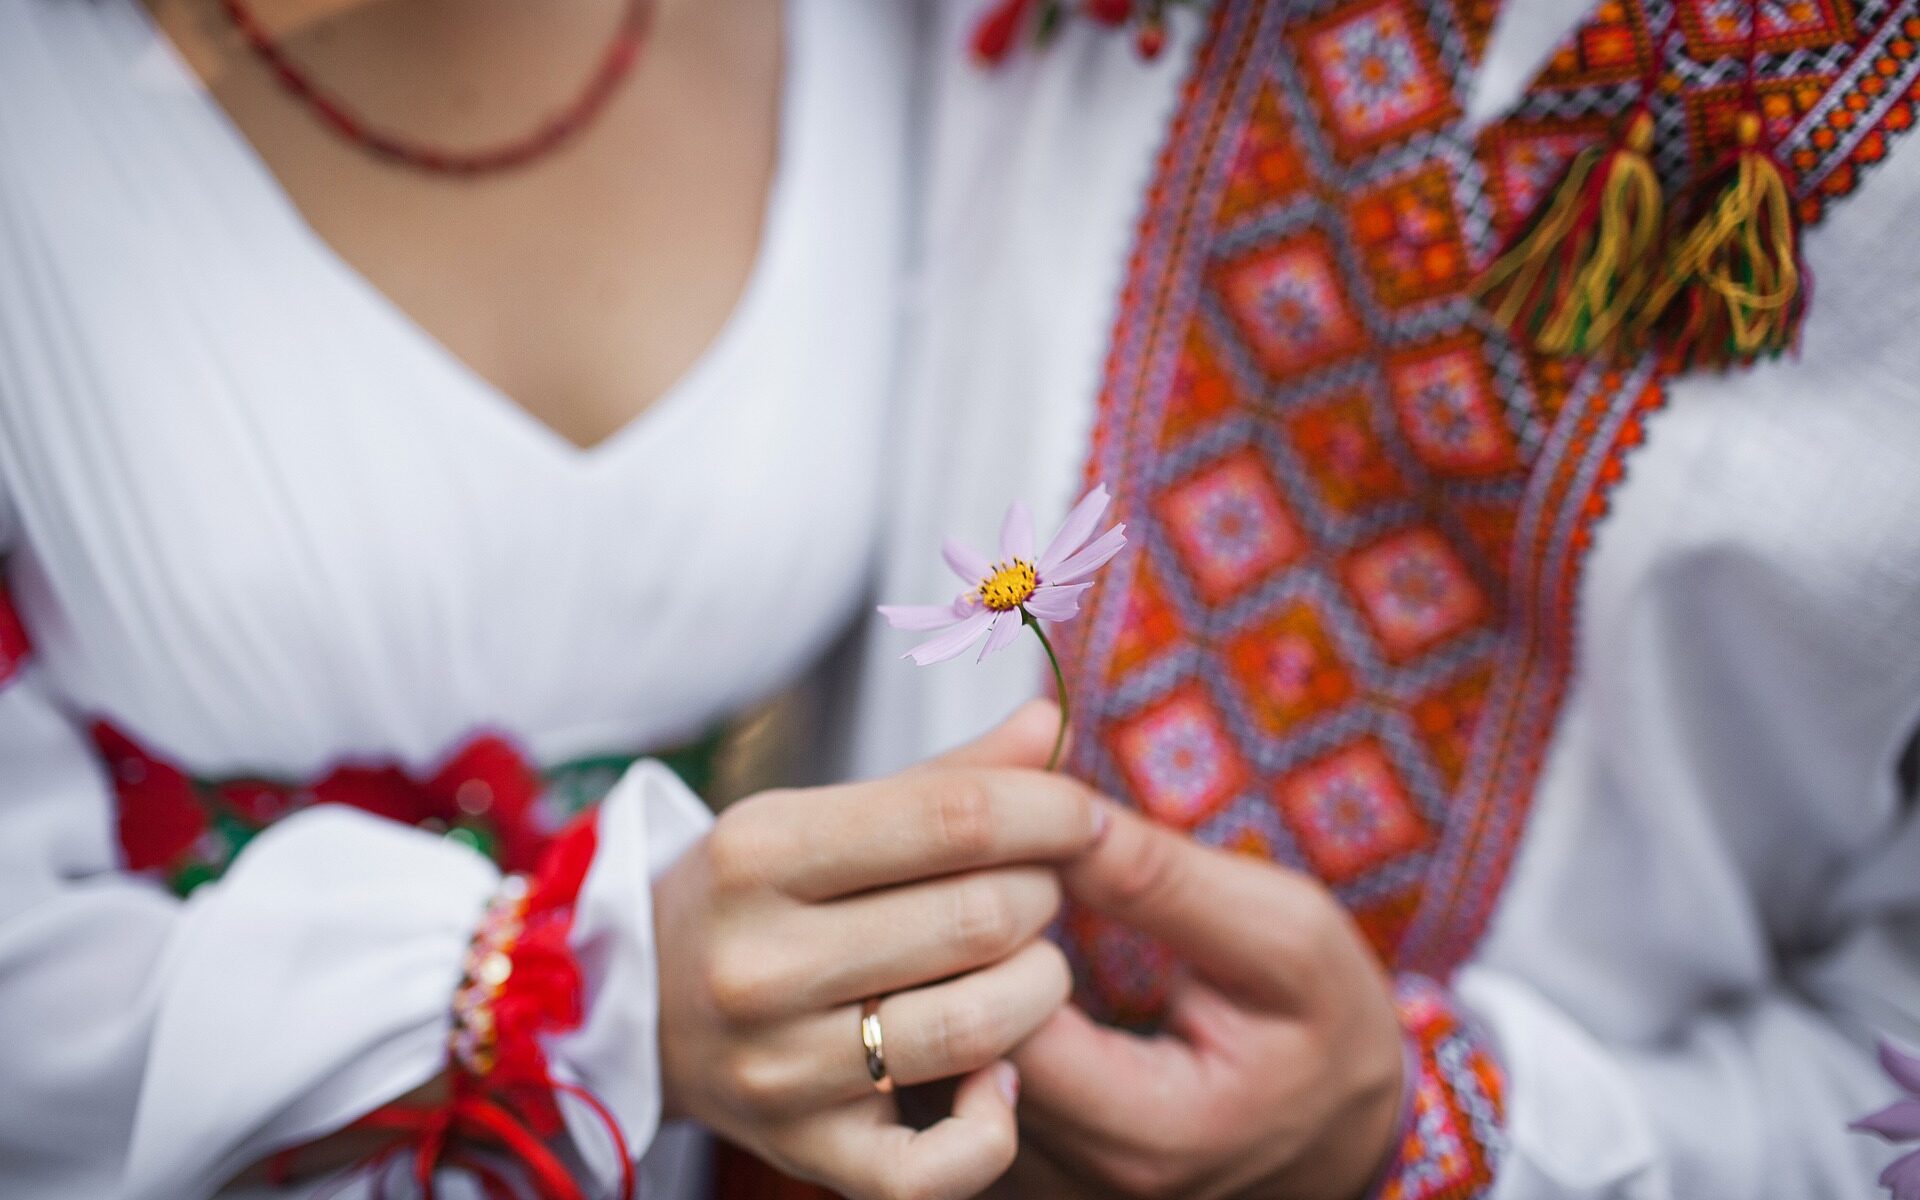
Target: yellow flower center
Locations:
point(1009, 586)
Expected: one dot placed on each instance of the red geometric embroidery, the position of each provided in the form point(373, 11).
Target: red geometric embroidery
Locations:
point(1720, 28)
point(1374, 70)
point(1414, 591)
point(1148, 627)
point(1205, 392)
point(1610, 46)
point(1342, 454)
point(1855, 121)
point(1287, 668)
point(1363, 514)
point(1230, 525)
point(1783, 102)
point(1266, 165)
point(1448, 408)
point(1445, 719)
point(1288, 302)
point(1476, 23)
point(1451, 1138)
point(1523, 160)
point(1350, 813)
point(1409, 237)
point(1179, 759)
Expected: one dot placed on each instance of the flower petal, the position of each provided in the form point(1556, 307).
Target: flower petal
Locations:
point(1898, 1122)
point(920, 617)
point(1074, 531)
point(1903, 1068)
point(1056, 602)
point(1006, 627)
point(966, 562)
point(1016, 533)
point(1902, 1177)
point(1091, 559)
point(952, 642)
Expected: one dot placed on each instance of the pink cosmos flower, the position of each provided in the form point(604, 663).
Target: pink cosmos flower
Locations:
point(1021, 589)
point(1899, 1122)
point(1018, 589)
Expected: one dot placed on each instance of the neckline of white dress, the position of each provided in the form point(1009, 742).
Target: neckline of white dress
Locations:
point(161, 65)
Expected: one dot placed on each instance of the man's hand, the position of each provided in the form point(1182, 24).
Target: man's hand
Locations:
point(1279, 1071)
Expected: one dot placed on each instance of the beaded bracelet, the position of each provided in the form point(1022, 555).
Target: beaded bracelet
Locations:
point(474, 1039)
point(519, 985)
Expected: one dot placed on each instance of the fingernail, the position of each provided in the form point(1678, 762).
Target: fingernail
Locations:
point(1102, 821)
point(1009, 1083)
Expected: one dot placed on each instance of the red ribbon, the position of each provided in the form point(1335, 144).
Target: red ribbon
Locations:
point(508, 1117)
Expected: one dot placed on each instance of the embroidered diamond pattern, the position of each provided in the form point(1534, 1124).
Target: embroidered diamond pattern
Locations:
point(1288, 302)
point(1720, 28)
point(1446, 718)
point(1606, 48)
point(1336, 442)
point(1287, 668)
point(1149, 626)
point(1409, 237)
point(1373, 69)
point(1179, 758)
point(1267, 168)
point(1229, 525)
point(1447, 407)
point(1414, 591)
point(1350, 812)
point(1205, 392)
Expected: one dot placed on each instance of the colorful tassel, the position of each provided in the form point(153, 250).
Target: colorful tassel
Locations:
point(1734, 288)
point(1573, 281)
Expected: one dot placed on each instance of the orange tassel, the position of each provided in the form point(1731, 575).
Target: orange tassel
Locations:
point(1573, 281)
point(1734, 288)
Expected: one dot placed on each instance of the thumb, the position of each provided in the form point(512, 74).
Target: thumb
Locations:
point(1245, 925)
point(1024, 739)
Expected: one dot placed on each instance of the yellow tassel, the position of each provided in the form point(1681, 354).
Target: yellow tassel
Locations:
point(1574, 280)
point(1734, 281)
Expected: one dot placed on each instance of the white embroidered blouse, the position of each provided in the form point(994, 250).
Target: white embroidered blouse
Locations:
point(1716, 905)
point(256, 518)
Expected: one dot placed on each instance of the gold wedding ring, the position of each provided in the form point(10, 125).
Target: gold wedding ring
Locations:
point(871, 1038)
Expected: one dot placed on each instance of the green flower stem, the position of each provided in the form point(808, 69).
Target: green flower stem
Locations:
point(1059, 687)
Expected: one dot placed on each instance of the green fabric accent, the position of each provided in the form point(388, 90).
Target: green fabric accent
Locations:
point(570, 789)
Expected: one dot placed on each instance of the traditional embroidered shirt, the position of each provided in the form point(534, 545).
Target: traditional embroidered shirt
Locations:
point(257, 525)
point(1588, 693)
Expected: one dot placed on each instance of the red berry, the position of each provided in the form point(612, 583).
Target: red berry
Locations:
point(1110, 12)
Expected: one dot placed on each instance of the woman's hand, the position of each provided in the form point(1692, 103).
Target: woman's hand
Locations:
point(924, 889)
point(1279, 1073)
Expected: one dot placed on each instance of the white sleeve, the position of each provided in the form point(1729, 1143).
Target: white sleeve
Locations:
point(1746, 1098)
point(153, 1048)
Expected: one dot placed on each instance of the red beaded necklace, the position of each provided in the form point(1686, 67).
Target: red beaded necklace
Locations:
point(622, 52)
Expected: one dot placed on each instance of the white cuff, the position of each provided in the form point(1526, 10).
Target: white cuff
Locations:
point(1575, 1127)
point(646, 822)
point(308, 987)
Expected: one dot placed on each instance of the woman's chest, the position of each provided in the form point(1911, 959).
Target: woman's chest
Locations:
point(271, 551)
